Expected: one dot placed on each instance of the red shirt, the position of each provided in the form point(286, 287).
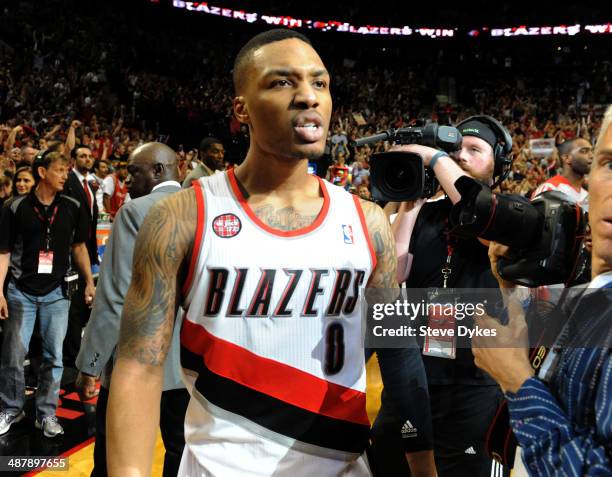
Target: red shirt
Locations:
point(118, 197)
point(339, 175)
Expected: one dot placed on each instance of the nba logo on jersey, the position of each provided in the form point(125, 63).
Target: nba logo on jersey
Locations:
point(347, 231)
point(227, 225)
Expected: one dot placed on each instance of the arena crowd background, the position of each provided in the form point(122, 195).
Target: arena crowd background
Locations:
point(113, 74)
point(143, 70)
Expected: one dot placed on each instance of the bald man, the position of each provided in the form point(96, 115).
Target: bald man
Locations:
point(154, 175)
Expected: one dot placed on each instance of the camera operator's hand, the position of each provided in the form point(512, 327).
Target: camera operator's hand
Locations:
point(446, 169)
point(425, 152)
point(497, 251)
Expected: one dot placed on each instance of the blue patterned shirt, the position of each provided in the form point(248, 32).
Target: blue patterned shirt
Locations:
point(565, 427)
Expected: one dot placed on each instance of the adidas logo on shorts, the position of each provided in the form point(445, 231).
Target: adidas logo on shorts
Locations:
point(470, 450)
point(408, 430)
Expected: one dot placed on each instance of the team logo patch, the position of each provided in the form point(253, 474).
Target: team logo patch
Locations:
point(347, 232)
point(227, 225)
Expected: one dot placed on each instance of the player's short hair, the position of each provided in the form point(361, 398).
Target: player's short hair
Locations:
point(207, 143)
point(244, 55)
point(73, 153)
point(97, 162)
point(566, 146)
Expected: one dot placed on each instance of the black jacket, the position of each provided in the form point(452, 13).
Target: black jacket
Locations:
point(74, 188)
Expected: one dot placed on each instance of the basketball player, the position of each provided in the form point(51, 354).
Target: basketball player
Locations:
point(269, 262)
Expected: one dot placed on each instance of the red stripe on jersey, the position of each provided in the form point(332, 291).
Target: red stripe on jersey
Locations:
point(554, 183)
point(273, 378)
point(364, 226)
point(281, 233)
point(199, 237)
point(560, 180)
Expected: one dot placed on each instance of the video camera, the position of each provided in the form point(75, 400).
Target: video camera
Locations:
point(399, 176)
point(544, 235)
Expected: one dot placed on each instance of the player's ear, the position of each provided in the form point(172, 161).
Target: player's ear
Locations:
point(241, 111)
point(566, 159)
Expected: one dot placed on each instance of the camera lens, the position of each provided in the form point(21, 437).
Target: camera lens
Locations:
point(398, 174)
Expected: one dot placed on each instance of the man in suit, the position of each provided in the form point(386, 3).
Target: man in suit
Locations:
point(211, 154)
point(77, 186)
point(561, 415)
point(154, 175)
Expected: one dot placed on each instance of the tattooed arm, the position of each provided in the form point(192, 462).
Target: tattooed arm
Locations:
point(147, 322)
point(384, 275)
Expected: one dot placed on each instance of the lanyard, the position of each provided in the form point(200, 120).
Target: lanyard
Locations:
point(48, 223)
point(446, 268)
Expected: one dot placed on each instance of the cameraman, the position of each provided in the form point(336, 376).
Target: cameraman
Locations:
point(463, 398)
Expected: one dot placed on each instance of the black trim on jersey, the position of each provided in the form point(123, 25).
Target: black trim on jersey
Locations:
point(274, 414)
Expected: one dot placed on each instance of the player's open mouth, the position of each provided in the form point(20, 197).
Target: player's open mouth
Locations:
point(308, 127)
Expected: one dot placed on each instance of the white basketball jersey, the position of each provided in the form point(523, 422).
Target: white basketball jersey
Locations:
point(561, 184)
point(271, 344)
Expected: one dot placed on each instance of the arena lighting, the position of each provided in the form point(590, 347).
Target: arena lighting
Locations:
point(569, 30)
point(345, 27)
point(291, 22)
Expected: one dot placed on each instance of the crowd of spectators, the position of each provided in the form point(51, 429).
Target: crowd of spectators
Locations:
point(91, 83)
point(67, 82)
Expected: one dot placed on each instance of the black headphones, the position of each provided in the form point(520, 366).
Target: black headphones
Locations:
point(502, 148)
